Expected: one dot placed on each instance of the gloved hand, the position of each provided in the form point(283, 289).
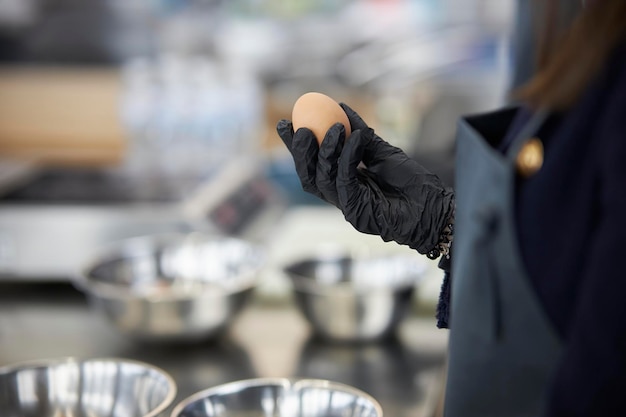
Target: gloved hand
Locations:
point(379, 189)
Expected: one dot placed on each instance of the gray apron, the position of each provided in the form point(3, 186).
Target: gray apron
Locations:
point(502, 348)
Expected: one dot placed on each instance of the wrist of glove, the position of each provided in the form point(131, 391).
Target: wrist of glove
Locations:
point(379, 189)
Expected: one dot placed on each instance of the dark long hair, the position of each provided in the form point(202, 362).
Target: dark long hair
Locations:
point(571, 51)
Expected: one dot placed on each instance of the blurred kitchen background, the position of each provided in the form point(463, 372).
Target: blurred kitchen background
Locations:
point(126, 101)
point(122, 118)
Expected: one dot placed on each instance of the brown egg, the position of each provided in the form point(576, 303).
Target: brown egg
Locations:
point(318, 112)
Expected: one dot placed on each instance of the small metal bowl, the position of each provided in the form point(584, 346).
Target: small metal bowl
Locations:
point(175, 287)
point(355, 298)
point(279, 397)
point(93, 387)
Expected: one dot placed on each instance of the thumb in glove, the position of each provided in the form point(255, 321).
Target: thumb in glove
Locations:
point(390, 194)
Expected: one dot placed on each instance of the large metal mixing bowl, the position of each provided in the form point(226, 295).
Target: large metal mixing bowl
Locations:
point(95, 387)
point(353, 298)
point(279, 397)
point(181, 287)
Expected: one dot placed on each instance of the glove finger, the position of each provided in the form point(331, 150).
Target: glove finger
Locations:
point(356, 198)
point(391, 166)
point(376, 149)
point(398, 171)
point(379, 151)
point(284, 128)
point(356, 122)
point(347, 169)
point(327, 161)
point(304, 149)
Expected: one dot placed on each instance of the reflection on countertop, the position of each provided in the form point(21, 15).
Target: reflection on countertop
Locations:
point(267, 340)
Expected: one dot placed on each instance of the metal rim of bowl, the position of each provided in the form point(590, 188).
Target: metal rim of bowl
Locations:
point(45, 363)
point(120, 249)
point(308, 285)
point(231, 387)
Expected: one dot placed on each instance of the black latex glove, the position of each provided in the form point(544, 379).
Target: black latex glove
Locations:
point(379, 189)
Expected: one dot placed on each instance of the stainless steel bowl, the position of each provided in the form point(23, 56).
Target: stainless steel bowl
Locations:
point(348, 297)
point(177, 287)
point(279, 397)
point(95, 387)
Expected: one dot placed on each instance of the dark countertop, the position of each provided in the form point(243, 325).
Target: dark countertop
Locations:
point(40, 321)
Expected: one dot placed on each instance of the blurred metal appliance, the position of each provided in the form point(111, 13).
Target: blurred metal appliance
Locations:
point(53, 220)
